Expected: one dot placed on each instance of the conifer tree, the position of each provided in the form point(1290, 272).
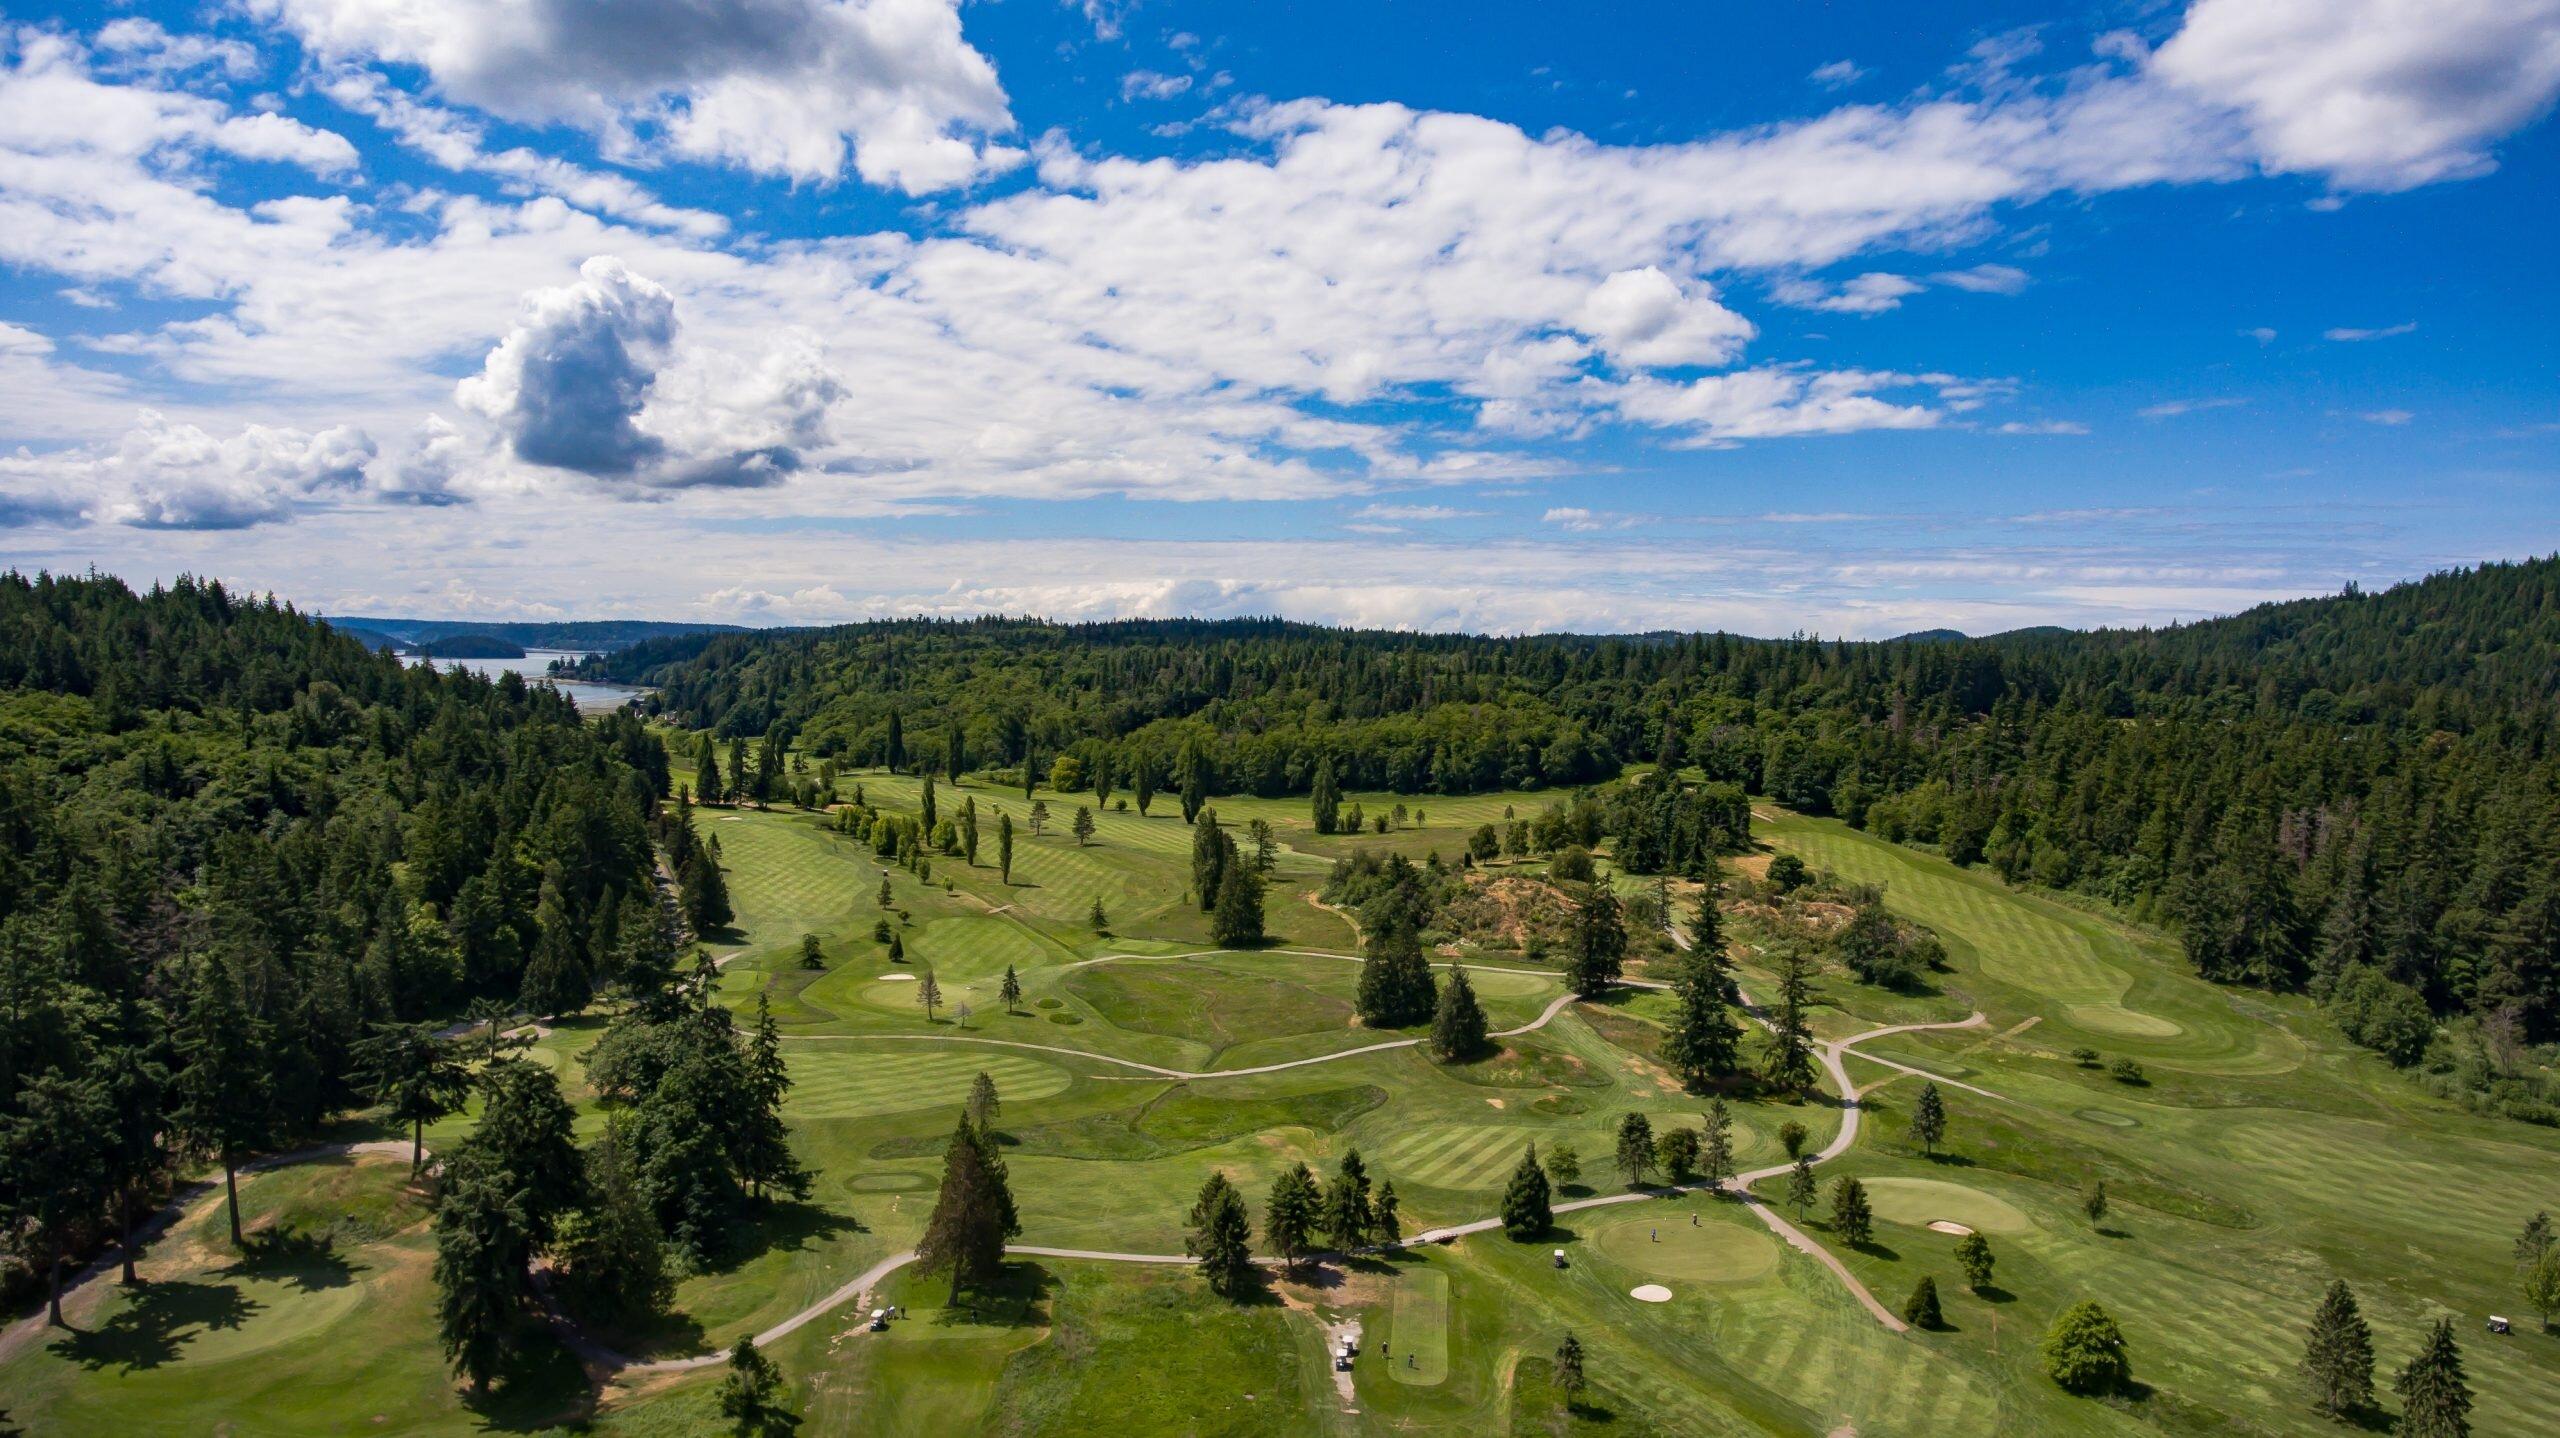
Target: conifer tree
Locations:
point(706, 772)
point(2337, 1358)
point(1527, 1205)
point(1921, 1310)
point(1802, 1187)
point(1457, 1020)
point(1098, 918)
point(613, 1265)
point(2435, 1402)
point(53, 1172)
point(969, 830)
point(925, 807)
point(1599, 947)
point(1852, 1217)
point(2535, 1241)
point(1326, 797)
point(928, 993)
point(1570, 1380)
point(973, 1213)
point(1929, 1119)
point(2093, 1201)
point(1386, 1223)
point(1083, 826)
point(529, 1132)
point(1221, 1237)
point(983, 1103)
point(225, 1100)
point(1706, 921)
point(1237, 923)
point(1290, 1215)
point(415, 1075)
point(1704, 1042)
point(1635, 1149)
point(1011, 990)
point(481, 1250)
point(737, 782)
point(763, 1138)
point(1195, 782)
point(1142, 783)
point(751, 1396)
point(1004, 848)
point(893, 749)
point(555, 974)
point(1715, 1143)
point(1345, 1215)
point(1789, 1062)
point(955, 750)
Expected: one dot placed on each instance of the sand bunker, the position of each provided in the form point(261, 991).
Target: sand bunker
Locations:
point(1948, 1225)
point(1650, 1293)
point(897, 978)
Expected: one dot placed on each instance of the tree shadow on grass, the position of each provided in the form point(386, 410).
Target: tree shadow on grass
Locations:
point(784, 1226)
point(1994, 1293)
point(155, 1325)
point(1019, 1298)
point(1950, 1160)
point(1873, 1249)
point(309, 1261)
point(542, 1389)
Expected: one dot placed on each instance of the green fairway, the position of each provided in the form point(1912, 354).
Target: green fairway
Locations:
point(835, 1081)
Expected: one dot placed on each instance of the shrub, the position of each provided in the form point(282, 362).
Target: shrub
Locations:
point(2084, 1351)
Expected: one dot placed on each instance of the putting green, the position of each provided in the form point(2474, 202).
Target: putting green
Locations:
point(834, 1080)
point(1714, 1251)
point(1417, 1338)
point(280, 1306)
point(1919, 1201)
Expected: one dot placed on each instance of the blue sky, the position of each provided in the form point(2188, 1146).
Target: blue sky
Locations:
point(1849, 318)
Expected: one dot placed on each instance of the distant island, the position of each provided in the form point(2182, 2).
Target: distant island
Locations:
point(582, 636)
point(472, 646)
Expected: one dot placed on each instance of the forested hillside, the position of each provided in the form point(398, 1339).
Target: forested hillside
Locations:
point(233, 843)
point(2355, 794)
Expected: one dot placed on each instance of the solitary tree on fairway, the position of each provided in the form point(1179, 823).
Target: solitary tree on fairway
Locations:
point(751, 1396)
point(2542, 1286)
point(225, 1099)
point(2093, 1201)
point(1929, 1119)
point(983, 1103)
point(1290, 1215)
point(973, 1213)
point(928, 993)
point(1791, 1137)
point(416, 1076)
point(886, 898)
point(1457, 1020)
point(1920, 1310)
point(1083, 826)
point(1715, 1143)
point(1851, 1215)
point(1221, 1236)
point(1973, 1254)
point(1011, 990)
point(1527, 1210)
point(1802, 1187)
point(1564, 1165)
point(1635, 1148)
point(2435, 1401)
point(1004, 848)
point(2337, 1359)
point(1142, 783)
point(2535, 1241)
point(2084, 1351)
point(1569, 1376)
